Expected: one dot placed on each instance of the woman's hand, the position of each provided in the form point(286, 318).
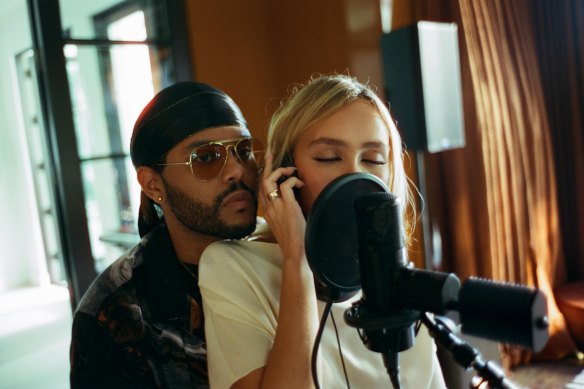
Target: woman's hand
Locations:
point(281, 209)
point(289, 360)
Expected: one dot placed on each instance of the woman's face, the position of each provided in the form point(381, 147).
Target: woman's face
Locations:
point(353, 140)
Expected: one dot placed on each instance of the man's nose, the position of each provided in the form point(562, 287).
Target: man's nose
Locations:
point(234, 168)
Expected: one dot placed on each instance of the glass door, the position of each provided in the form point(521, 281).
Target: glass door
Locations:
point(109, 84)
point(98, 67)
point(41, 167)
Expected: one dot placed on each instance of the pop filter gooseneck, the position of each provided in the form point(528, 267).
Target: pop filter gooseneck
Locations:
point(331, 236)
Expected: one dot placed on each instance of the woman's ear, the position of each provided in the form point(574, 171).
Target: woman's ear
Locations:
point(151, 183)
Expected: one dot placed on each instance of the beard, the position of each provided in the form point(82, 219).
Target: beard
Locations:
point(204, 219)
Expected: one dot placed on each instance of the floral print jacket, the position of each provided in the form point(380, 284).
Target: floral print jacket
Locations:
point(140, 323)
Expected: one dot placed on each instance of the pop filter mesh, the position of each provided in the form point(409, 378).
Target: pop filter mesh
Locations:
point(331, 231)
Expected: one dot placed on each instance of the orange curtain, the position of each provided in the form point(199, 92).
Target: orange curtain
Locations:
point(560, 37)
point(495, 201)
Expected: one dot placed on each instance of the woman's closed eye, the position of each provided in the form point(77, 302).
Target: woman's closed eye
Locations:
point(327, 159)
point(327, 156)
point(367, 160)
point(374, 161)
point(374, 158)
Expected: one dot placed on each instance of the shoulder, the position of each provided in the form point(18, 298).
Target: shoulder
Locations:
point(237, 253)
point(120, 274)
point(239, 265)
point(107, 283)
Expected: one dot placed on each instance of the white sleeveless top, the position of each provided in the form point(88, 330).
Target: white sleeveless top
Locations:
point(240, 284)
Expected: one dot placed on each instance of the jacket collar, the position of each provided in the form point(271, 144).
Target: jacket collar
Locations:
point(166, 285)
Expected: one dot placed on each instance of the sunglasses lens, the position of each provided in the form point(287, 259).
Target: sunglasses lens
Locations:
point(250, 150)
point(207, 161)
point(244, 149)
point(257, 152)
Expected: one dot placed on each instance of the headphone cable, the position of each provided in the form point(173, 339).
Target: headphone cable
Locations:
point(341, 351)
point(325, 314)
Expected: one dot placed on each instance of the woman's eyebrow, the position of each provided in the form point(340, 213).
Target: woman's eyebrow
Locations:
point(341, 143)
point(374, 145)
point(327, 141)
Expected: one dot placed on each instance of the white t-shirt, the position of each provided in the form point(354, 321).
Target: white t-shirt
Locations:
point(240, 284)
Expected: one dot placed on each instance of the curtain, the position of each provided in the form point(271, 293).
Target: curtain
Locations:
point(560, 37)
point(495, 202)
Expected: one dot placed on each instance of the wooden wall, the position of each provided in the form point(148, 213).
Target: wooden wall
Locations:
point(255, 50)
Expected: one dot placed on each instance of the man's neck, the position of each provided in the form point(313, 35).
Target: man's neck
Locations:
point(188, 245)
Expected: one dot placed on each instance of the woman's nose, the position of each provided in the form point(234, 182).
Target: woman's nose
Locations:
point(352, 167)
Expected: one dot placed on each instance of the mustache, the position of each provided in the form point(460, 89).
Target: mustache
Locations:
point(234, 187)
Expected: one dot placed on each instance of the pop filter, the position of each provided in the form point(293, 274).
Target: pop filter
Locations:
point(331, 236)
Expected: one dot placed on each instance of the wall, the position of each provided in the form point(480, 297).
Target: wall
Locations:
point(231, 49)
point(256, 50)
point(22, 261)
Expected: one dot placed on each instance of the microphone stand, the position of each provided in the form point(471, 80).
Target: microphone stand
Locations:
point(385, 334)
point(467, 356)
point(463, 353)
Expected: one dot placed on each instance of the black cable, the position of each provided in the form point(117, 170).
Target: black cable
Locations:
point(417, 327)
point(391, 362)
point(341, 352)
point(325, 314)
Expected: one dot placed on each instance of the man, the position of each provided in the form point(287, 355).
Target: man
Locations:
point(140, 324)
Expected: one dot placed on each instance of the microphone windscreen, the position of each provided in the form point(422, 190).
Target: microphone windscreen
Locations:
point(504, 312)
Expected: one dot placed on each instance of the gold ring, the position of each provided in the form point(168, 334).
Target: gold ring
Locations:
point(273, 195)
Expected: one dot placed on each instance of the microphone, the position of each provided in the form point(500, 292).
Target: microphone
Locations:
point(503, 312)
point(391, 286)
point(381, 247)
point(381, 256)
point(358, 207)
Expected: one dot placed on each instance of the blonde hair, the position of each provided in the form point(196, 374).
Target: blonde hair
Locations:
point(321, 97)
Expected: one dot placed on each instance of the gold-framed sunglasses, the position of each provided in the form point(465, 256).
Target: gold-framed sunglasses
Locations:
point(206, 161)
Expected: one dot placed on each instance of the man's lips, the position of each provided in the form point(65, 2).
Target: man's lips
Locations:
point(238, 199)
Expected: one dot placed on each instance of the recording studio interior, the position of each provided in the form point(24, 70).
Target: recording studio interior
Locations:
point(488, 97)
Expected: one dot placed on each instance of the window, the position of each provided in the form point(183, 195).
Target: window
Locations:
point(112, 56)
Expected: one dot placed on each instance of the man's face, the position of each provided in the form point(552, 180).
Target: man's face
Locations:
point(223, 206)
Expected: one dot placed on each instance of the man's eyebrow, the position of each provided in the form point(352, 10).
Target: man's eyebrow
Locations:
point(200, 142)
point(197, 143)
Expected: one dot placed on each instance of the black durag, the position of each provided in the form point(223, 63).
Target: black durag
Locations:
point(173, 115)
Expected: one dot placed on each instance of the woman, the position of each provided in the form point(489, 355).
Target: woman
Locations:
point(260, 303)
